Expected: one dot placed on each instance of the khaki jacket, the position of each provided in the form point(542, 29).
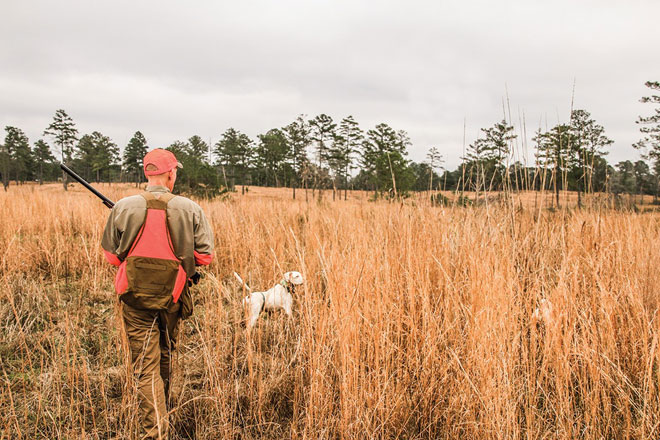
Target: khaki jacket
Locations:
point(191, 234)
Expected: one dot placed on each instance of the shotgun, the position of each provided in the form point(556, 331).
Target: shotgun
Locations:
point(106, 201)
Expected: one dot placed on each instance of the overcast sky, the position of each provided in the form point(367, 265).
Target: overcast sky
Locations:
point(173, 69)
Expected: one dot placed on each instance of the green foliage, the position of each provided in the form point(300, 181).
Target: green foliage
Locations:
point(487, 157)
point(624, 178)
point(197, 177)
point(423, 176)
point(438, 199)
point(198, 148)
point(650, 127)
point(573, 153)
point(272, 153)
point(322, 133)
point(234, 153)
point(587, 141)
point(97, 158)
point(344, 145)
point(44, 160)
point(133, 154)
point(21, 155)
point(383, 159)
point(16, 157)
point(643, 178)
point(64, 133)
point(298, 137)
point(435, 161)
point(5, 164)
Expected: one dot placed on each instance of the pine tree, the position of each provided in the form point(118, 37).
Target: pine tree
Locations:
point(642, 177)
point(489, 155)
point(587, 141)
point(624, 178)
point(64, 132)
point(6, 152)
point(271, 154)
point(650, 143)
point(382, 157)
point(323, 131)
point(554, 151)
point(83, 158)
point(233, 151)
point(435, 160)
point(345, 143)
point(298, 137)
point(106, 155)
point(22, 158)
point(133, 155)
point(42, 155)
point(198, 149)
point(16, 156)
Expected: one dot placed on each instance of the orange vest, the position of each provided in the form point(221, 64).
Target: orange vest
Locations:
point(151, 277)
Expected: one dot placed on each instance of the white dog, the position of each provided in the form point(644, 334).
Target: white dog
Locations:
point(280, 296)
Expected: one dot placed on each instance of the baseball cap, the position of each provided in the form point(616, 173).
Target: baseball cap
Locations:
point(161, 161)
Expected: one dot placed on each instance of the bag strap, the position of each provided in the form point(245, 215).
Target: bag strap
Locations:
point(159, 202)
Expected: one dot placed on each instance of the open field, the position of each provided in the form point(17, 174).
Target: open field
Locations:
point(414, 322)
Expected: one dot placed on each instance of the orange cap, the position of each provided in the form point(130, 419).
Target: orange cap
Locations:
point(163, 160)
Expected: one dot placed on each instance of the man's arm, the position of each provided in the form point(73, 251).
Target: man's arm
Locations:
point(111, 239)
point(203, 241)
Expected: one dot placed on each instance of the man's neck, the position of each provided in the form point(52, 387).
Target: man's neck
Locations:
point(151, 186)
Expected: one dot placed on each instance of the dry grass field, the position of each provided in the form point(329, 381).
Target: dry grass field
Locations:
point(414, 322)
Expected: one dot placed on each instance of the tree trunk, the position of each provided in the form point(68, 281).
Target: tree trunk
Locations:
point(557, 186)
point(579, 196)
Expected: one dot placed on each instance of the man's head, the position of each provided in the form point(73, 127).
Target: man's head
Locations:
point(160, 167)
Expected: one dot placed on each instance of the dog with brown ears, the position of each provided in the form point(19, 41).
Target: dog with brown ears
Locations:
point(280, 296)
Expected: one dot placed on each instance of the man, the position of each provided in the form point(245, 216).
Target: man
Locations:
point(156, 239)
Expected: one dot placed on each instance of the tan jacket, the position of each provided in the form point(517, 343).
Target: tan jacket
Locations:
point(192, 237)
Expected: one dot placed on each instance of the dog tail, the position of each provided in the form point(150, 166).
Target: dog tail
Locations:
point(240, 280)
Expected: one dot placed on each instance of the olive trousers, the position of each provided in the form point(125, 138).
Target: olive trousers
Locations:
point(152, 336)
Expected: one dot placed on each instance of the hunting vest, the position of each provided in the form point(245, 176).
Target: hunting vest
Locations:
point(151, 277)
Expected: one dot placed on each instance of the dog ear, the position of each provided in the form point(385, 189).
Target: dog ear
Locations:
point(287, 277)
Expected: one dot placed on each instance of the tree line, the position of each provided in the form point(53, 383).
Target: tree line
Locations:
point(320, 153)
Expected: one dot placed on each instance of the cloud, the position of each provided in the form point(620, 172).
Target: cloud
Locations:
point(425, 67)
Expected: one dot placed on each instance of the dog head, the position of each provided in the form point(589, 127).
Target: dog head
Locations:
point(294, 278)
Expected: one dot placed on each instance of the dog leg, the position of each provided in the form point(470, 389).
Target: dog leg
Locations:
point(253, 320)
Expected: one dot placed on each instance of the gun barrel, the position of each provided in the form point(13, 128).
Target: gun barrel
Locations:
point(106, 201)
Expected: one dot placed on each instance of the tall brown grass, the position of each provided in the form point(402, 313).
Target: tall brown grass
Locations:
point(414, 322)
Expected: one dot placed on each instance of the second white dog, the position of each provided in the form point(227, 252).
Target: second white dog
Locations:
point(280, 296)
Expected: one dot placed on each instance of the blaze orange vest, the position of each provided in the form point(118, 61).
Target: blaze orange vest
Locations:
point(151, 277)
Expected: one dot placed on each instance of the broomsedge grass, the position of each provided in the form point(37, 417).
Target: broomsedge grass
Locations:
point(414, 322)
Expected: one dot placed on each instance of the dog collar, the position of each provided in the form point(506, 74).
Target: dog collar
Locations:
point(290, 287)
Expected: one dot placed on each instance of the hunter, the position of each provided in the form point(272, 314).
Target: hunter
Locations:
point(156, 239)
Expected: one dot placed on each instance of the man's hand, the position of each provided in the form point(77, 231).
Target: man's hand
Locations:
point(194, 279)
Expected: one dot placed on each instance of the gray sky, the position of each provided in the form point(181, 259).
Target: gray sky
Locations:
point(174, 69)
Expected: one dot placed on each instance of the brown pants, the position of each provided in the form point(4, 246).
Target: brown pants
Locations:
point(152, 336)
